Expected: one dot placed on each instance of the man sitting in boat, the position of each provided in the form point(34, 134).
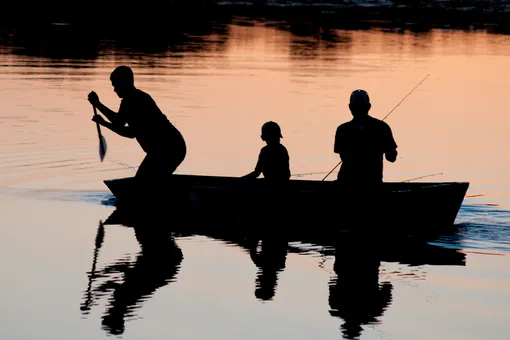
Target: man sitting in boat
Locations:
point(361, 144)
point(139, 117)
point(273, 161)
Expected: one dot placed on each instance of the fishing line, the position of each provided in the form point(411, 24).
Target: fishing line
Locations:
point(134, 167)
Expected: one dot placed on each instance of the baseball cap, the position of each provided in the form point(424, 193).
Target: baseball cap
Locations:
point(359, 97)
point(271, 128)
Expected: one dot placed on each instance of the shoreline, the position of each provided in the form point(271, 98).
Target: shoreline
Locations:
point(399, 15)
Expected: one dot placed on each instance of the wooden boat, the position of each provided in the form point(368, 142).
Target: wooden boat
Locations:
point(408, 207)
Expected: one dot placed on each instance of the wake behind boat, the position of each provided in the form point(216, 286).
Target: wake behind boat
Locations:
point(409, 207)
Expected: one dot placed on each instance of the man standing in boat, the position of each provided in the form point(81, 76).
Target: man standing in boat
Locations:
point(139, 117)
point(361, 143)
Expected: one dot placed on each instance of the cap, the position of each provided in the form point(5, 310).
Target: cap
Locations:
point(271, 128)
point(360, 97)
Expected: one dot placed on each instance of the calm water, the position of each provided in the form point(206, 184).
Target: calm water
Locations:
point(218, 88)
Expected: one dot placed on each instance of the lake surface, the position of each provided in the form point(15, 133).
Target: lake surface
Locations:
point(218, 86)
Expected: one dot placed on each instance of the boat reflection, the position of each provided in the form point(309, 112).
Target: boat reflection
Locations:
point(129, 282)
point(356, 295)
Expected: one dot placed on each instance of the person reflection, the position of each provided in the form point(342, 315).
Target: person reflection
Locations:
point(270, 259)
point(355, 294)
point(156, 265)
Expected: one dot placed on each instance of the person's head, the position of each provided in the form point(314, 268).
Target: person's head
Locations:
point(123, 80)
point(359, 103)
point(271, 132)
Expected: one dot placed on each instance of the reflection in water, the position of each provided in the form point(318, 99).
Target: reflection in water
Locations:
point(54, 40)
point(187, 30)
point(155, 266)
point(270, 259)
point(202, 35)
point(308, 41)
point(88, 301)
point(267, 251)
point(213, 40)
point(356, 295)
point(63, 41)
point(355, 13)
point(194, 37)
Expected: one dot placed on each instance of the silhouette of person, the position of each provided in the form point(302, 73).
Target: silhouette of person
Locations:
point(271, 261)
point(355, 295)
point(273, 160)
point(140, 117)
point(156, 265)
point(361, 144)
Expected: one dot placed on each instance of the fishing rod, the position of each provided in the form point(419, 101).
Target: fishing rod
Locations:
point(407, 180)
point(307, 173)
point(385, 117)
point(412, 179)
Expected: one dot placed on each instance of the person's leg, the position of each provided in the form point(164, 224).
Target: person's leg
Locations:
point(144, 170)
point(157, 165)
point(174, 161)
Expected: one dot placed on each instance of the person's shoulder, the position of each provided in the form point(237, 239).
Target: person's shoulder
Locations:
point(264, 149)
point(273, 148)
point(344, 126)
point(142, 95)
point(379, 123)
point(283, 149)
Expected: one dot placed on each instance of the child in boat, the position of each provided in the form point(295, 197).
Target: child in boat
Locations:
point(273, 161)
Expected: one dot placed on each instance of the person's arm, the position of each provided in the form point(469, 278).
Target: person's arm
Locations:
point(124, 131)
point(254, 174)
point(114, 117)
point(111, 115)
point(340, 147)
point(391, 155)
point(251, 175)
point(287, 165)
point(390, 152)
point(258, 168)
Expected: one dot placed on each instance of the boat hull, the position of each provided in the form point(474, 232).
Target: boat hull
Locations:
point(423, 208)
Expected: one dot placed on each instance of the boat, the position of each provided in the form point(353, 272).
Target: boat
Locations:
point(409, 207)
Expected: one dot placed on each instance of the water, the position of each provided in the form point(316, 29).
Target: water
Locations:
point(218, 86)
